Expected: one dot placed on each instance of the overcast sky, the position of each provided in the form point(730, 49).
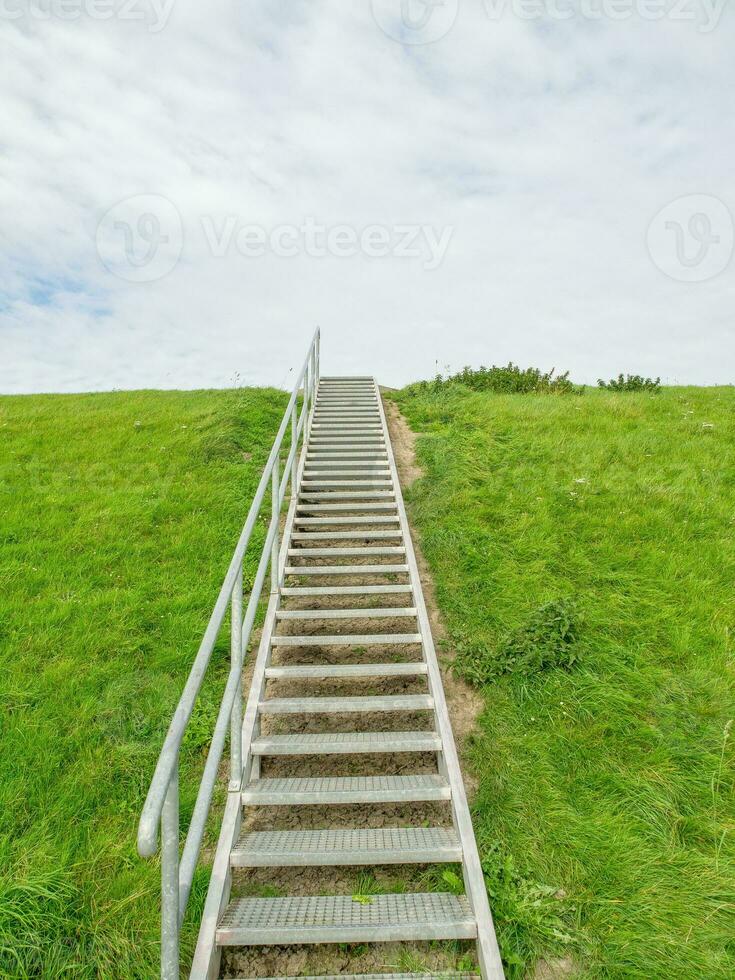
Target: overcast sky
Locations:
point(188, 188)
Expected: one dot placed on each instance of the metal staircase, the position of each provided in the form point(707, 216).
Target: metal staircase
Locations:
point(346, 610)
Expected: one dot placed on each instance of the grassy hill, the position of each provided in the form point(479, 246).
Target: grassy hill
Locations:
point(118, 515)
point(583, 549)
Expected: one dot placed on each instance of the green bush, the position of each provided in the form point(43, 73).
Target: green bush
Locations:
point(630, 382)
point(506, 380)
point(545, 641)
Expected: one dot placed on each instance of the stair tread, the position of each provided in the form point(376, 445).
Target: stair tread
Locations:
point(346, 705)
point(345, 743)
point(336, 671)
point(317, 790)
point(345, 639)
point(333, 590)
point(384, 976)
point(381, 551)
point(340, 918)
point(345, 569)
point(398, 612)
point(384, 845)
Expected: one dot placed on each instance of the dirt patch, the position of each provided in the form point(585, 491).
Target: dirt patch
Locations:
point(465, 704)
point(403, 439)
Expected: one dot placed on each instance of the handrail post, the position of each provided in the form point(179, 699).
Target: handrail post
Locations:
point(317, 353)
point(170, 880)
point(236, 660)
point(294, 438)
point(275, 518)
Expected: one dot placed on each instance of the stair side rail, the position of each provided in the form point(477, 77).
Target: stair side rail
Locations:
point(161, 807)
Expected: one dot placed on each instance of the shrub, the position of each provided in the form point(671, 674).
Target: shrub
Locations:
point(506, 380)
point(546, 640)
point(630, 382)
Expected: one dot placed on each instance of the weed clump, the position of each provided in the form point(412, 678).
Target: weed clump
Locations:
point(510, 379)
point(630, 382)
point(547, 640)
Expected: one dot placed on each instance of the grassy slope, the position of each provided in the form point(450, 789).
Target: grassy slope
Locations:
point(118, 514)
point(605, 810)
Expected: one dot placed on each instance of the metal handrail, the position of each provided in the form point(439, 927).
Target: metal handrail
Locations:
point(162, 803)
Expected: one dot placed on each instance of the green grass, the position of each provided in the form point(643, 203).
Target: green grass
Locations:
point(118, 515)
point(605, 812)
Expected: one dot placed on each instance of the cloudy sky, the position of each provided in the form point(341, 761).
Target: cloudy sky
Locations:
point(188, 188)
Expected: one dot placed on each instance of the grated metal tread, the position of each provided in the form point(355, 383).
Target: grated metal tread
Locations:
point(346, 639)
point(337, 671)
point(345, 743)
point(310, 508)
point(311, 848)
point(317, 590)
point(357, 533)
point(355, 519)
point(381, 552)
point(305, 570)
point(340, 918)
point(343, 790)
point(408, 612)
point(385, 976)
point(349, 705)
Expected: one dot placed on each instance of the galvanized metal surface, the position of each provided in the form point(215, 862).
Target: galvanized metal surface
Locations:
point(345, 496)
point(340, 918)
point(341, 790)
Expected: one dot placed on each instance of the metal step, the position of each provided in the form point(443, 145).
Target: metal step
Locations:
point(385, 505)
point(345, 472)
point(317, 590)
point(346, 569)
point(315, 465)
point(309, 521)
point(387, 976)
point(325, 496)
point(346, 640)
point(345, 535)
point(312, 848)
point(345, 482)
point(340, 671)
point(345, 790)
point(346, 743)
point(366, 552)
point(346, 706)
point(343, 919)
point(368, 613)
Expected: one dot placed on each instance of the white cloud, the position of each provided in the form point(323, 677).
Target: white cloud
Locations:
point(548, 147)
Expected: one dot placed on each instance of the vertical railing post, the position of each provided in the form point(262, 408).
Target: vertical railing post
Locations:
point(236, 662)
point(294, 437)
point(317, 352)
point(275, 518)
point(170, 880)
